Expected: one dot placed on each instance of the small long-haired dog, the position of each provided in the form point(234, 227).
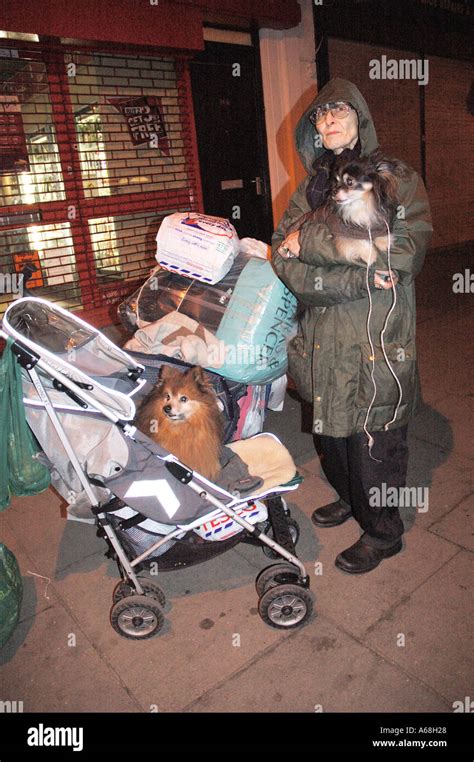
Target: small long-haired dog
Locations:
point(182, 415)
point(364, 195)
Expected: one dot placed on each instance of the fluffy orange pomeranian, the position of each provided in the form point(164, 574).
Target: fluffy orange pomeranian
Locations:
point(182, 415)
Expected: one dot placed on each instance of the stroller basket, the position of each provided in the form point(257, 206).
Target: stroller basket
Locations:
point(155, 513)
point(173, 554)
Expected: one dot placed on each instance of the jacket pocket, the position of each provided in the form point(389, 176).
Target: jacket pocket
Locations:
point(402, 359)
point(300, 365)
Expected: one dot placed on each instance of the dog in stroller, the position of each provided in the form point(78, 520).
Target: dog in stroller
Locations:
point(156, 514)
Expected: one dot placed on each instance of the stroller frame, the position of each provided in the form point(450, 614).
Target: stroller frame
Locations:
point(144, 598)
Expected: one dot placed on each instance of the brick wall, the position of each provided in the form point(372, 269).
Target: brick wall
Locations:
point(449, 146)
point(395, 107)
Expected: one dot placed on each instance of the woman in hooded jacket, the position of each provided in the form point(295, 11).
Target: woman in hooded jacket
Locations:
point(338, 360)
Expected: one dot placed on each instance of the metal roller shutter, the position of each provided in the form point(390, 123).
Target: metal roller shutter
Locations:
point(96, 148)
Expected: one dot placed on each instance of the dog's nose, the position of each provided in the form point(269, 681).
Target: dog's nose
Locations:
point(167, 409)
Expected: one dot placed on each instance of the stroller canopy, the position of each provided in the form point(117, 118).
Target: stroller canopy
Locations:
point(78, 351)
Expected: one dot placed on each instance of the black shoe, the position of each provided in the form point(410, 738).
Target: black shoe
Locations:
point(331, 515)
point(361, 558)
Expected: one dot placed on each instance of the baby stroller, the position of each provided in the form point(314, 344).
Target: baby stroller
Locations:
point(80, 393)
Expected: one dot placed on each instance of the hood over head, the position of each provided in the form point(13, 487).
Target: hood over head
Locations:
point(336, 90)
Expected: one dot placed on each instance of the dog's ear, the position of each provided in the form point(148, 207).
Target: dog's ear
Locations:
point(384, 167)
point(165, 372)
point(392, 167)
point(200, 379)
point(164, 375)
point(386, 183)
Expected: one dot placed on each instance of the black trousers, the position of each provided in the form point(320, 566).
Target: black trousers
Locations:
point(360, 481)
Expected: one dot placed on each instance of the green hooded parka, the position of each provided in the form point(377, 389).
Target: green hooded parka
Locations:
point(330, 359)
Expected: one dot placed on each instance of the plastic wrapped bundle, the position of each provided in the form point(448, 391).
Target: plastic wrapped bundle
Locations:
point(197, 245)
point(164, 292)
point(250, 312)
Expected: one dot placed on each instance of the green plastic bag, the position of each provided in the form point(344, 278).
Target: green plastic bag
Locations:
point(11, 593)
point(20, 472)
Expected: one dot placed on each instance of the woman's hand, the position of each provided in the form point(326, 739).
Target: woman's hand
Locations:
point(290, 246)
point(382, 278)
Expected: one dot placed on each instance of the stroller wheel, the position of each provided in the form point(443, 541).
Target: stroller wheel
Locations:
point(294, 530)
point(125, 589)
point(137, 617)
point(276, 574)
point(285, 606)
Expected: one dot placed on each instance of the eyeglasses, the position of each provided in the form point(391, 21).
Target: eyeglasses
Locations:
point(338, 110)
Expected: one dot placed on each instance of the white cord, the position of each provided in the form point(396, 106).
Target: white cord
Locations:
point(41, 577)
point(387, 317)
point(370, 438)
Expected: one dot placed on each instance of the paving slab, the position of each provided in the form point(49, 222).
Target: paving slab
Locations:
point(458, 525)
point(432, 427)
point(35, 588)
point(211, 631)
point(447, 479)
point(50, 665)
point(320, 668)
point(451, 426)
point(37, 661)
point(436, 620)
point(54, 542)
point(315, 490)
point(357, 601)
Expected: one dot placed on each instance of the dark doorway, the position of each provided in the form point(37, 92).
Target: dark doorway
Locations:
point(228, 108)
